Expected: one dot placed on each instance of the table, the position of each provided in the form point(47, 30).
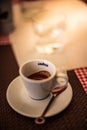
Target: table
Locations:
point(72, 118)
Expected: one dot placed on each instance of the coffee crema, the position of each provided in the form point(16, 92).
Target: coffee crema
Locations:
point(40, 75)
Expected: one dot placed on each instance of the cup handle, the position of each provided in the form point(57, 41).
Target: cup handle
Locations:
point(60, 81)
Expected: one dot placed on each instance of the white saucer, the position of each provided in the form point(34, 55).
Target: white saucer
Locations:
point(19, 100)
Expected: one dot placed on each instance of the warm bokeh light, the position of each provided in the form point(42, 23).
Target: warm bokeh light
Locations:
point(74, 52)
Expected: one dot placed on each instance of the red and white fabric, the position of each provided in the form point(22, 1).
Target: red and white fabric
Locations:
point(82, 76)
point(4, 40)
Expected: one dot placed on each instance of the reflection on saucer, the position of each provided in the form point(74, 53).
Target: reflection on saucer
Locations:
point(19, 100)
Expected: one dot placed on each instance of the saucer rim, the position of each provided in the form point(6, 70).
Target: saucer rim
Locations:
point(27, 115)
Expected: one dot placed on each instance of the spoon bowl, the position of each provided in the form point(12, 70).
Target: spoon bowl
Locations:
point(55, 92)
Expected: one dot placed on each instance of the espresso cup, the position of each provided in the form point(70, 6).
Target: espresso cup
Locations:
point(40, 77)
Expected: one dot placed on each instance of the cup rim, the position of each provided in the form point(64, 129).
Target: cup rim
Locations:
point(33, 80)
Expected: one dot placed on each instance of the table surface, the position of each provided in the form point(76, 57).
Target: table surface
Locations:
point(74, 52)
point(72, 118)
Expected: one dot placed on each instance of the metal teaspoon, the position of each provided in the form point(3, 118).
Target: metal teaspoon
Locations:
point(56, 91)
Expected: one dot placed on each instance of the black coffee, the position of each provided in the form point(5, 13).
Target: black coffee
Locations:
point(40, 75)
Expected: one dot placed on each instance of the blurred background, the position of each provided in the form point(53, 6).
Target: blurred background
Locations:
point(16, 28)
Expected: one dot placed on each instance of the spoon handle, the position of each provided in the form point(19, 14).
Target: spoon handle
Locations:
point(55, 92)
point(41, 119)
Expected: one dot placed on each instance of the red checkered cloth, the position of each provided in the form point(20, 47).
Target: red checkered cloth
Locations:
point(82, 76)
point(4, 40)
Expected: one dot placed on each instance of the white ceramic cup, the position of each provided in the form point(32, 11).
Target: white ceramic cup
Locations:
point(40, 89)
